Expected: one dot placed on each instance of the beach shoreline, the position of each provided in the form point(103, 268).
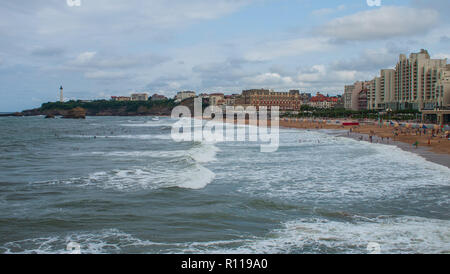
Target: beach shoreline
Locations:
point(438, 151)
point(425, 152)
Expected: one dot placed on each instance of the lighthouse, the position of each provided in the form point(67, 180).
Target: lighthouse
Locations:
point(61, 96)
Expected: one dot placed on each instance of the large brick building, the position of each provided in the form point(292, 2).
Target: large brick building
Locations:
point(267, 98)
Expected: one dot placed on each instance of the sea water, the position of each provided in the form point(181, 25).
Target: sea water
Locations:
point(121, 185)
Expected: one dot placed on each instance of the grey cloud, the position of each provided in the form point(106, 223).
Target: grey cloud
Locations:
point(381, 23)
point(47, 52)
point(443, 6)
point(223, 74)
point(445, 39)
point(371, 60)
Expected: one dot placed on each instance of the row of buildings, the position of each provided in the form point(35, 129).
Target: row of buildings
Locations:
point(139, 97)
point(286, 101)
point(416, 83)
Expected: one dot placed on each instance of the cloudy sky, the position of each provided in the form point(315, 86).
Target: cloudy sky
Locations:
point(115, 47)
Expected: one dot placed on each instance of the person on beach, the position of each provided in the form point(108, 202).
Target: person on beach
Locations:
point(416, 144)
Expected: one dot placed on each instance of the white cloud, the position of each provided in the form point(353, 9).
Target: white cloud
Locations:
point(370, 60)
point(381, 23)
point(84, 58)
point(324, 74)
point(152, 16)
point(293, 47)
point(105, 74)
point(328, 11)
point(442, 56)
point(268, 79)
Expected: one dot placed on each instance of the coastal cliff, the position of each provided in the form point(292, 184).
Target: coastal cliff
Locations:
point(80, 109)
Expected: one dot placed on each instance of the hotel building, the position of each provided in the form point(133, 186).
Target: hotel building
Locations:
point(417, 82)
point(268, 98)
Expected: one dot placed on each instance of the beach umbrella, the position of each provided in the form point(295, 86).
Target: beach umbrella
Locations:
point(424, 127)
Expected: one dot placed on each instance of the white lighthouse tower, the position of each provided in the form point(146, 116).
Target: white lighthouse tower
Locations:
point(61, 95)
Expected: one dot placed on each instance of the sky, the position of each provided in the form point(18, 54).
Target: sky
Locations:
point(101, 48)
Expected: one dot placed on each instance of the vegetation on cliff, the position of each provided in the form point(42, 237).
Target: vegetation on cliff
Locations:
point(101, 105)
point(107, 108)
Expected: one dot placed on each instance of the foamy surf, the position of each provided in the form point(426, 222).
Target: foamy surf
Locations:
point(101, 242)
point(404, 235)
point(393, 234)
point(194, 176)
point(200, 152)
point(137, 136)
point(321, 195)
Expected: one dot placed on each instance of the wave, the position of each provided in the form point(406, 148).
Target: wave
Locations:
point(394, 235)
point(201, 153)
point(137, 136)
point(105, 241)
point(402, 235)
point(204, 153)
point(166, 125)
point(194, 176)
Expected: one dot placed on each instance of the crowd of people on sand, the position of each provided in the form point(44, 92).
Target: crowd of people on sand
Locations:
point(372, 137)
point(437, 134)
point(379, 132)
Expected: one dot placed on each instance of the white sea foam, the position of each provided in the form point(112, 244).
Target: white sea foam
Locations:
point(201, 153)
point(148, 124)
point(309, 235)
point(204, 153)
point(395, 235)
point(336, 168)
point(194, 176)
point(105, 241)
point(137, 136)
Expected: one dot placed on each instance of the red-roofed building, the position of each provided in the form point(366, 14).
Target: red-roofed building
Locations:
point(216, 99)
point(322, 101)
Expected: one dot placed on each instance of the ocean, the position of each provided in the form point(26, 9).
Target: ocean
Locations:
point(122, 185)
